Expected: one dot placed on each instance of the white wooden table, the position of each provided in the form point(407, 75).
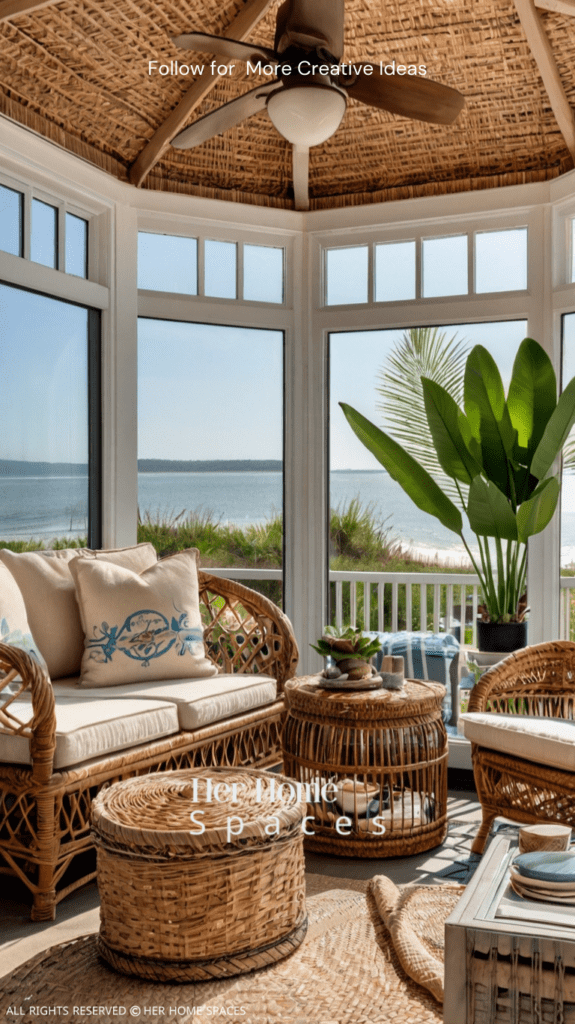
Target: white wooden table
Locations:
point(507, 960)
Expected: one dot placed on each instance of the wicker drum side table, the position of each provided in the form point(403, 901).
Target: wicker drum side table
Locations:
point(181, 904)
point(373, 766)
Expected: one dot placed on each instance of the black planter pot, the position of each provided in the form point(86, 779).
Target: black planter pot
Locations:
point(502, 637)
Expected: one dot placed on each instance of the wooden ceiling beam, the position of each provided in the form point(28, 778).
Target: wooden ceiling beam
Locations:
point(12, 8)
point(543, 55)
point(240, 27)
point(557, 6)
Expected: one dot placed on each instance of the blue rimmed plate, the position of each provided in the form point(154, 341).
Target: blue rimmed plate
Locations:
point(547, 865)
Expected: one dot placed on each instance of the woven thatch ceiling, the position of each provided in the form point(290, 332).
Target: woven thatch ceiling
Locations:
point(76, 71)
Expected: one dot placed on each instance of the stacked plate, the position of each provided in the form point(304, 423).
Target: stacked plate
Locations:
point(545, 875)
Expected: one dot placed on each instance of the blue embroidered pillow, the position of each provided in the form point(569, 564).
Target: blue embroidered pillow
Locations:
point(140, 627)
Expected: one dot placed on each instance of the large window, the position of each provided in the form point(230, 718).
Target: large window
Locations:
point(210, 442)
point(49, 443)
point(374, 526)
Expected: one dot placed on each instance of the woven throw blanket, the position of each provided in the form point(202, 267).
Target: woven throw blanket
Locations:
point(347, 971)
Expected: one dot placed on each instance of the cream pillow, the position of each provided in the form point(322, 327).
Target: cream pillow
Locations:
point(143, 626)
point(49, 595)
point(14, 628)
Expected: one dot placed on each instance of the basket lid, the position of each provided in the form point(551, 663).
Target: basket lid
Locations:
point(232, 808)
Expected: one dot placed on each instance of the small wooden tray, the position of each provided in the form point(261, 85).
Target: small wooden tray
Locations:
point(371, 683)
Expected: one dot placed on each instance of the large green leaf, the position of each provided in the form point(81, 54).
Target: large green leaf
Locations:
point(532, 396)
point(489, 512)
point(536, 513)
point(443, 416)
point(556, 432)
point(401, 466)
point(488, 416)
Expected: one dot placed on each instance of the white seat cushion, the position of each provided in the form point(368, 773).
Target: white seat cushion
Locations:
point(548, 741)
point(199, 702)
point(88, 727)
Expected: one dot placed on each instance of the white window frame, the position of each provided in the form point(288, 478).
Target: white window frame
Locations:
point(116, 211)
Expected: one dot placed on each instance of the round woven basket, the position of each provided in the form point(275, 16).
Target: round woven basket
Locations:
point(200, 872)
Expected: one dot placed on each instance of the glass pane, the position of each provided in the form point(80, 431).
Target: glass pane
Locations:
point(444, 266)
point(346, 275)
point(76, 245)
point(394, 271)
point(573, 250)
point(11, 214)
point(374, 526)
point(44, 441)
point(220, 269)
point(501, 260)
point(44, 240)
point(210, 442)
point(263, 273)
point(168, 263)
point(568, 484)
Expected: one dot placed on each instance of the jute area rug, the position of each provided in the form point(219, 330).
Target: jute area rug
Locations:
point(357, 965)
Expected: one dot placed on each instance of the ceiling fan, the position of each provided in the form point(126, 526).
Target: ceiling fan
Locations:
point(308, 98)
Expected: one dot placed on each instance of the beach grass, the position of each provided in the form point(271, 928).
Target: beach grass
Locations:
point(360, 541)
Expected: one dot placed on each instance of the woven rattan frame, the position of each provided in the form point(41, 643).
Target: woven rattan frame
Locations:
point(396, 741)
point(45, 814)
point(538, 680)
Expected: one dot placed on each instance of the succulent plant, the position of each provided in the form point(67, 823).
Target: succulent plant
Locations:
point(347, 642)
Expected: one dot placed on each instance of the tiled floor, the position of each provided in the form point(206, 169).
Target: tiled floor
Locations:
point(78, 914)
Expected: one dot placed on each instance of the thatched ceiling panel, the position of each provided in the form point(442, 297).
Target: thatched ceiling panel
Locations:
point(77, 72)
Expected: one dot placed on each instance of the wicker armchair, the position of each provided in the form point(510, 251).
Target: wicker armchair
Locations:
point(45, 814)
point(537, 681)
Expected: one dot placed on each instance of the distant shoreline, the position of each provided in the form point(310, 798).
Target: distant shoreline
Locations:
point(15, 468)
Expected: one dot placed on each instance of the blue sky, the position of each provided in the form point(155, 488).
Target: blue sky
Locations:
point(215, 392)
point(356, 359)
point(43, 378)
point(209, 392)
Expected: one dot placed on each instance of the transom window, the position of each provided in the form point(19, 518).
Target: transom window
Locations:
point(478, 263)
point(43, 232)
point(210, 267)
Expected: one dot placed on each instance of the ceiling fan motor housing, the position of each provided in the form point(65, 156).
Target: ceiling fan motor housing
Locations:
point(311, 25)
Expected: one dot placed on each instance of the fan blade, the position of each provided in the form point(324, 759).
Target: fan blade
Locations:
point(408, 95)
point(225, 117)
point(300, 169)
point(311, 23)
point(204, 43)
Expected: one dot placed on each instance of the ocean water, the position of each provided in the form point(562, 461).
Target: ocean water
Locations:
point(48, 507)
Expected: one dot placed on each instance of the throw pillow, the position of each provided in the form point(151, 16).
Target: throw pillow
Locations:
point(14, 628)
point(49, 594)
point(144, 626)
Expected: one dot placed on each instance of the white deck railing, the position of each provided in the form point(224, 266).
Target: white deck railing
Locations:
point(396, 600)
point(567, 605)
point(449, 590)
point(397, 597)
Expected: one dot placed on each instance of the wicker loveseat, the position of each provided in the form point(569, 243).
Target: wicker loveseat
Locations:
point(45, 806)
point(521, 723)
